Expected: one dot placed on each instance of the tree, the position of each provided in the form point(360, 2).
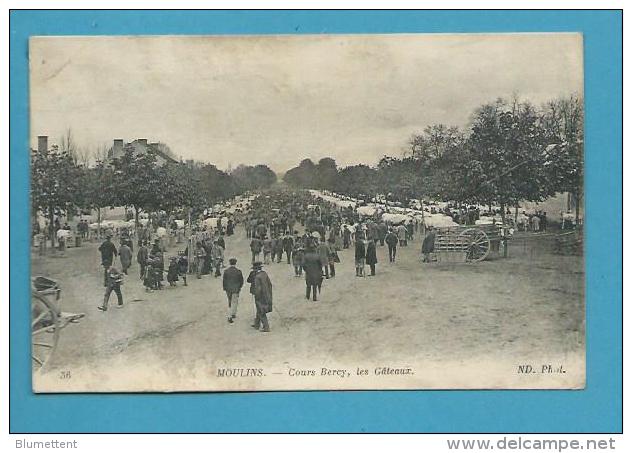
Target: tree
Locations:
point(304, 176)
point(357, 181)
point(137, 181)
point(253, 178)
point(503, 159)
point(563, 123)
point(54, 184)
point(326, 173)
point(175, 188)
point(400, 179)
point(214, 185)
point(435, 141)
point(97, 188)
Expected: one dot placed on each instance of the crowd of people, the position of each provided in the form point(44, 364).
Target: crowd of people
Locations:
point(293, 228)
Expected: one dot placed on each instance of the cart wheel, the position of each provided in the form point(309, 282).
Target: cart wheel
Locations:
point(478, 246)
point(45, 331)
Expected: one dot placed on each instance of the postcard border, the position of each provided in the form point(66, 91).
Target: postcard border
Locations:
point(597, 409)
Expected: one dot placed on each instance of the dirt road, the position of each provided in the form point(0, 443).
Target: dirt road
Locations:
point(455, 323)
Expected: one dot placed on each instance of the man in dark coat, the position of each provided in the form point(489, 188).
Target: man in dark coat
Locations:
point(323, 251)
point(232, 282)
point(382, 230)
point(108, 252)
point(297, 257)
point(360, 256)
point(288, 245)
point(313, 272)
point(141, 258)
point(125, 255)
point(261, 289)
point(371, 256)
point(427, 247)
point(392, 241)
point(255, 247)
point(277, 251)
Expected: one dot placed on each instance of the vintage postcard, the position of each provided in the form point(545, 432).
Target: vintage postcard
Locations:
point(307, 212)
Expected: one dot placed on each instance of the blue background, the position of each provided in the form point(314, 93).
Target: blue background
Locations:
point(598, 408)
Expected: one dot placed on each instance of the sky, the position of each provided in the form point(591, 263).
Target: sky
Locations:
point(279, 99)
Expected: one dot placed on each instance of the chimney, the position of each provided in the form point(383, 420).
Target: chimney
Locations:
point(142, 141)
point(117, 148)
point(42, 143)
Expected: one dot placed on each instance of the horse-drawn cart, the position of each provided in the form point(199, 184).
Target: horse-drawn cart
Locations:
point(468, 243)
point(47, 320)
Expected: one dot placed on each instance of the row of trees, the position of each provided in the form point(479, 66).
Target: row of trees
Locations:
point(511, 152)
point(63, 181)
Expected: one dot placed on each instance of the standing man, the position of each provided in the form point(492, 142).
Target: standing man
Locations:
point(535, 222)
point(267, 249)
point(200, 257)
point(108, 252)
point(255, 248)
point(297, 257)
point(371, 256)
point(278, 249)
point(288, 245)
point(410, 230)
point(360, 255)
point(323, 253)
point(313, 271)
point(428, 245)
point(261, 289)
point(217, 253)
point(233, 280)
point(141, 258)
point(125, 255)
point(382, 230)
point(402, 234)
point(391, 240)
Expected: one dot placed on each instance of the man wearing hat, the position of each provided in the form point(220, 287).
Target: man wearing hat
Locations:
point(261, 289)
point(108, 252)
point(114, 280)
point(233, 280)
point(428, 245)
point(141, 258)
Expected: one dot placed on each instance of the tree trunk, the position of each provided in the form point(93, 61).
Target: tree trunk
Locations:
point(136, 210)
point(516, 216)
point(423, 218)
point(502, 212)
point(99, 222)
point(51, 225)
point(189, 222)
point(577, 201)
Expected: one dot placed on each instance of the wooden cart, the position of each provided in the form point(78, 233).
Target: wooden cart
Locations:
point(47, 320)
point(467, 243)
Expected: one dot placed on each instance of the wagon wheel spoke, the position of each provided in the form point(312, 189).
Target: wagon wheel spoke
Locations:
point(39, 318)
point(44, 345)
point(480, 237)
point(47, 329)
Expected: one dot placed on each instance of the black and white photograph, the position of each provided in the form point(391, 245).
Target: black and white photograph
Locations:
point(307, 212)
